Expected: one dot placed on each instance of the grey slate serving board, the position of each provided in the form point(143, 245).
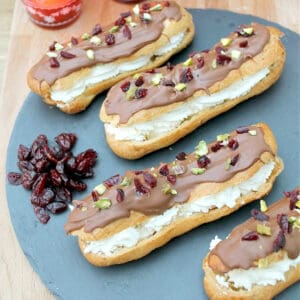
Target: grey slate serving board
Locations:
point(174, 271)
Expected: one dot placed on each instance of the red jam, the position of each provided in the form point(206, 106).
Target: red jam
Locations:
point(53, 13)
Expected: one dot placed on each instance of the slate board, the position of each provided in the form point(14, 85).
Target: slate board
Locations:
point(174, 271)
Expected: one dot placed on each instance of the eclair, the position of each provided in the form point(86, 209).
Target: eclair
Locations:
point(154, 109)
point(71, 74)
point(260, 258)
point(127, 217)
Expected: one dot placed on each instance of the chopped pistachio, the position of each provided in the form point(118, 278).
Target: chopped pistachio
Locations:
point(201, 148)
point(154, 174)
point(223, 137)
point(133, 24)
point(100, 189)
point(236, 54)
point(90, 54)
point(52, 54)
point(156, 79)
point(297, 223)
point(188, 62)
point(85, 36)
point(298, 204)
point(180, 87)
point(198, 171)
point(167, 190)
point(263, 229)
point(136, 10)
point(128, 19)
point(214, 64)
point(95, 40)
point(126, 181)
point(263, 205)
point(114, 29)
point(292, 219)
point(262, 263)
point(248, 30)
point(156, 7)
point(103, 203)
point(226, 42)
point(136, 76)
point(58, 46)
point(252, 132)
point(131, 93)
point(147, 17)
point(227, 164)
point(83, 208)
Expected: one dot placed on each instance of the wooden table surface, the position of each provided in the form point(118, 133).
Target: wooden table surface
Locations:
point(27, 43)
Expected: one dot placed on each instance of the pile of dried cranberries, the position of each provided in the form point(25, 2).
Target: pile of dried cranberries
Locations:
point(52, 173)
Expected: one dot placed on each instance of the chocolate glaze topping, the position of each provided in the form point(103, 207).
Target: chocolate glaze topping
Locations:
point(145, 32)
point(237, 253)
point(154, 201)
point(207, 68)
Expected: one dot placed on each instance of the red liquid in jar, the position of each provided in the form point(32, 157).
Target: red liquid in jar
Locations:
point(53, 13)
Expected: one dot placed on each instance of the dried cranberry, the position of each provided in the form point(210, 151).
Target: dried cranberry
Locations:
point(74, 41)
point(78, 186)
point(200, 63)
point(52, 46)
point(57, 207)
point(125, 14)
point(250, 236)
point(110, 39)
point(66, 140)
point(150, 179)
point(120, 21)
point(293, 199)
point(67, 55)
point(284, 224)
point(55, 178)
point(40, 184)
point(50, 154)
point(95, 196)
point(64, 194)
point(258, 215)
point(181, 156)
point(139, 81)
point(139, 187)
point(25, 166)
point(220, 50)
point(71, 164)
point(125, 86)
point(170, 67)
point(146, 6)
point(97, 29)
point(234, 160)
point(203, 161)
point(242, 129)
point(28, 179)
point(127, 32)
point(141, 93)
point(14, 178)
point(114, 180)
point(216, 147)
point(279, 242)
point(164, 170)
point(54, 63)
point(42, 165)
point(85, 160)
point(243, 44)
point(222, 59)
point(166, 3)
point(41, 214)
point(168, 82)
point(23, 152)
point(120, 195)
point(233, 144)
point(186, 75)
point(171, 178)
point(47, 196)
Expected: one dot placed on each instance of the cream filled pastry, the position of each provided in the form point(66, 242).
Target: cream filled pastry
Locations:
point(153, 109)
point(127, 217)
point(71, 74)
point(260, 258)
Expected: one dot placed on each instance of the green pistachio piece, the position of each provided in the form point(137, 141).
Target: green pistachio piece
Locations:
point(156, 7)
point(90, 54)
point(226, 42)
point(263, 205)
point(136, 10)
point(180, 87)
point(298, 204)
point(201, 148)
point(292, 219)
point(198, 171)
point(103, 203)
point(133, 24)
point(58, 46)
point(95, 40)
point(252, 132)
point(128, 19)
point(262, 263)
point(52, 54)
point(136, 76)
point(100, 189)
point(147, 16)
point(223, 137)
point(188, 62)
point(126, 181)
point(114, 29)
point(85, 36)
point(156, 79)
point(227, 164)
point(167, 190)
point(131, 93)
point(248, 30)
point(263, 229)
point(214, 64)
point(236, 54)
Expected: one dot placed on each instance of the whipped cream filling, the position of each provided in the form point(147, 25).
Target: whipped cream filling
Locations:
point(171, 120)
point(241, 278)
point(131, 236)
point(106, 71)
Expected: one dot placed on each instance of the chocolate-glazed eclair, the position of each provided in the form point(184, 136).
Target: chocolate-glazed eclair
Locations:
point(260, 258)
point(71, 74)
point(127, 217)
point(154, 109)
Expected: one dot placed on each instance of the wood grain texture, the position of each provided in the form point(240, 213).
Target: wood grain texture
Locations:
point(27, 43)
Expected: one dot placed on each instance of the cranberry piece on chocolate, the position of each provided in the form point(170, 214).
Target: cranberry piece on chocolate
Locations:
point(140, 93)
point(74, 41)
point(171, 178)
point(14, 178)
point(120, 195)
point(125, 86)
point(146, 6)
point(243, 44)
point(170, 67)
point(283, 223)
point(97, 29)
point(293, 199)
point(181, 156)
point(164, 170)
point(127, 32)
point(220, 50)
point(250, 236)
point(139, 81)
point(258, 215)
point(41, 214)
point(186, 75)
point(234, 160)
point(233, 144)
point(217, 146)
point(95, 196)
point(222, 59)
point(52, 46)
point(110, 39)
point(150, 179)
point(200, 63)
point(54, 63)
point(67, 55)
point(166, 3)
point(242, 129)
point(203, 161)
point(279, 242)
point(139, 187)
point(114, 180)
point(120, 22)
